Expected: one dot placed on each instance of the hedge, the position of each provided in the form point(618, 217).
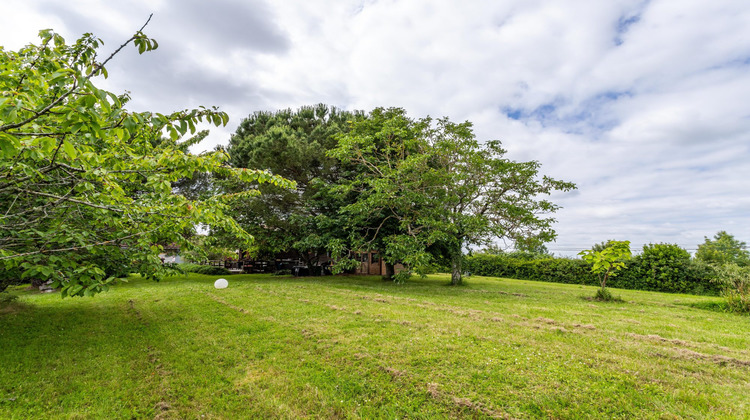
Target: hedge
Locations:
point(661, 268)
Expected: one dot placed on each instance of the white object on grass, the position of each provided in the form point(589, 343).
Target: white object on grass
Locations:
point(221, 284)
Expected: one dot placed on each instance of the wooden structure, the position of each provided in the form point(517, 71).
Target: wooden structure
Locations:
point(370, 263)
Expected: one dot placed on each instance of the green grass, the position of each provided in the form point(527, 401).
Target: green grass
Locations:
point(357, 347)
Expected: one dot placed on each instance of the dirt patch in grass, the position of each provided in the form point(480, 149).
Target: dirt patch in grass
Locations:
point(133, 310)
point(12, 308)
point(654, 337)
point(721, 360)
point(547, 321)
point(225, 303)
point(395, 373)
point(162, 410)
point(465, 403)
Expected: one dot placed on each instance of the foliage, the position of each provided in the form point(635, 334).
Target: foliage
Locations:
point(10, 277)
point(532, 245)
point(203, 269)
point(609, 261)
point(723, 249)
point(211, 270)
point(291, 144)
point(735, 286)
point(83, 179)
point(440, 186)
point(558, 270)
point(605, 295)
point(207, 248)
point(663, 275)
point(664, 267)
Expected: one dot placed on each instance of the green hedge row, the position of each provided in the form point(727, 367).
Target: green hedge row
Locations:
point(661, 268)
point(203, 269)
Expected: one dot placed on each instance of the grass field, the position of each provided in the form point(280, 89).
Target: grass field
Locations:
point(357, 347)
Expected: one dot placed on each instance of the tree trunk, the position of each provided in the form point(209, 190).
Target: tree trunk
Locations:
point(390, 271)
point(456, 259)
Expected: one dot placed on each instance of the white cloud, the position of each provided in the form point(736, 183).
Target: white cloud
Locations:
point(641, 103)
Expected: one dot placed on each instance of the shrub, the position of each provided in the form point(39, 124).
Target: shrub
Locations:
point(662, 268)
point(609, 261)
point(735, 286)
point(604, 295)
point(559, 270)
point(205, 269)
point(10, 277)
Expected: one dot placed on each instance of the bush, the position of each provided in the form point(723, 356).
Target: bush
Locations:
point(115, 261)
point(735, 286)
point(558, 270)
point(204, 269)
point(668, 268)
point(11, 277)
point(604, 295)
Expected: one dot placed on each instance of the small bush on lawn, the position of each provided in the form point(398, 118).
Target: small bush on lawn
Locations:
point(204, 269)
point(604, 295)
point(735, 284)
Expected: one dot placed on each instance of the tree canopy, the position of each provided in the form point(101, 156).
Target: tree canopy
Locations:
point(291, 144)
point(723, 249)
point(442, 187)
point(84, 181)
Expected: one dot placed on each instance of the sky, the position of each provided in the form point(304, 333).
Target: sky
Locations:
point(643, 104)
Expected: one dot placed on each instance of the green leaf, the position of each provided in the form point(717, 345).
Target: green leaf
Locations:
point(69, 149)
point(7, 147)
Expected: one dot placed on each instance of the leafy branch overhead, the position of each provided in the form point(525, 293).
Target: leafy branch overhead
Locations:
point(82, 177)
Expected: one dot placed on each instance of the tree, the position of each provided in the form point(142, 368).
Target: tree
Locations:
point(664, 267)
point(723, 249)
point(607, 262)
point(82, 179)
point(441, 187)
point(291, 144)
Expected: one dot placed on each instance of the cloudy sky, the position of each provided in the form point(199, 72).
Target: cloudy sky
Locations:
point(645, 105)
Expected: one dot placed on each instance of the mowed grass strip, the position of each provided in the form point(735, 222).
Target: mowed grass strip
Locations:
point(357, 347)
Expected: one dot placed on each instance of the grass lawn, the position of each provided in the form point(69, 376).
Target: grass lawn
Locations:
point(357, 347)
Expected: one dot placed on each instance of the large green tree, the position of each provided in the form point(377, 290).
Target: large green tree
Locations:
point(292, 144)
point(723, 249)
point(83, 180)
point(442, 187)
